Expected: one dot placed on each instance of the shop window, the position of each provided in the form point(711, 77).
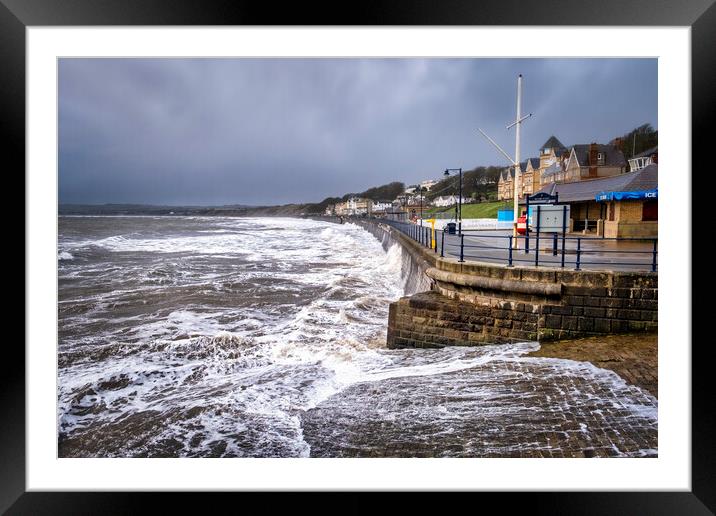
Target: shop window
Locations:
point(650, 210)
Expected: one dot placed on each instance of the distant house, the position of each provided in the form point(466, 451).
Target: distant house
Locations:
point(449, 200)
point(506, 181)
point(530, 177)
point(552, 156)
point(358, 206)
point(533, 171)
point(550, 151)
point(414, 200)
point(401, 200)
point(353, 206)
point(644, 159)
point(428, 184)
point(381, 206)
point(505, 184)
point(625, 205)
point(330, 209)
point(340, 208)
point(553, 173)
point(590, 161)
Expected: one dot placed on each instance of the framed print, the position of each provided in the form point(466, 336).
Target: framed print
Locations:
point(411, 249)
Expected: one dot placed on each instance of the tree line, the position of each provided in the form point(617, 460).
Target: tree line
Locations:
point(638, 140)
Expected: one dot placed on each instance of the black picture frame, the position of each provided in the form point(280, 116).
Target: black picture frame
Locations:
point(700, 15)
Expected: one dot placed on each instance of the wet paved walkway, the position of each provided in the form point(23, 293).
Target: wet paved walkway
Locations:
point(633, 357)
point(526, 406)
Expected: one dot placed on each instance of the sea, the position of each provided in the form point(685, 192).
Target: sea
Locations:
point(266, 337)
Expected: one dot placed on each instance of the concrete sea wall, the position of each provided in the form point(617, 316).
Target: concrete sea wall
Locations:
point(413, 262)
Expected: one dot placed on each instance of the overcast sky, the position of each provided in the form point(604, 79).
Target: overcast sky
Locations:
point(274, 131)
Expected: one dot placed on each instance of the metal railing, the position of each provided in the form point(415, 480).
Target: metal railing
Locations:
point(536, 249)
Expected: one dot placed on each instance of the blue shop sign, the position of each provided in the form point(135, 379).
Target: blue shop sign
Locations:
point(621, 196)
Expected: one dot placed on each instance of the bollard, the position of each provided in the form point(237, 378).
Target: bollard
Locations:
point(579, 252)
point(653, 258)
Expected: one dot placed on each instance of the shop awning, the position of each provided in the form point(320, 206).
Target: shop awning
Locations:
point(621, 196)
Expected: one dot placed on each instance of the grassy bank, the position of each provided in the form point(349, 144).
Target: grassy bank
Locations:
point(483, 210)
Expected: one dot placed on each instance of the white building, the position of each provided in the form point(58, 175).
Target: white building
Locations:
point(449, 200)
point(353, 206)
point(357, 206)
point(644, 159)
point(382, 205)
point(428, 184)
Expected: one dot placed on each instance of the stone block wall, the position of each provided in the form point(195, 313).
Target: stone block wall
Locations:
point(495, 304)
point(429, 320)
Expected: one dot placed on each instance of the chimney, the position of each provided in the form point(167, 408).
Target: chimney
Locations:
point(592, 154)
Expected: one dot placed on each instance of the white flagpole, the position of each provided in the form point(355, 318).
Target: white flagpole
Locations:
point(518, 123)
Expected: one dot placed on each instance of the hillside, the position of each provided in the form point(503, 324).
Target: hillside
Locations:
point(483, 210)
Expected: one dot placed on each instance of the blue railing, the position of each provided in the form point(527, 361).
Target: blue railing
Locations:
point(537, 249)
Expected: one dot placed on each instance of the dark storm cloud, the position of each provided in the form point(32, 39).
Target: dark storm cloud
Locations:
point(266, 131)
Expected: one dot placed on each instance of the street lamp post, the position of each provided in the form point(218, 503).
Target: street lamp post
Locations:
point(459, 199)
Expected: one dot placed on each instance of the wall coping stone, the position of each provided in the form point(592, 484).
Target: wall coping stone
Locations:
point(498, 284)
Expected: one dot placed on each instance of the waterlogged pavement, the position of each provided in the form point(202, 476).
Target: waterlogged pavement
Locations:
point(512, 405)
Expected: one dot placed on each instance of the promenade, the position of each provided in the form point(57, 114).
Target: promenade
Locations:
point(594, 253)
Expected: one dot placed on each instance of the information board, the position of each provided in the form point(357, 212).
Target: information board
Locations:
point(550, 217)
